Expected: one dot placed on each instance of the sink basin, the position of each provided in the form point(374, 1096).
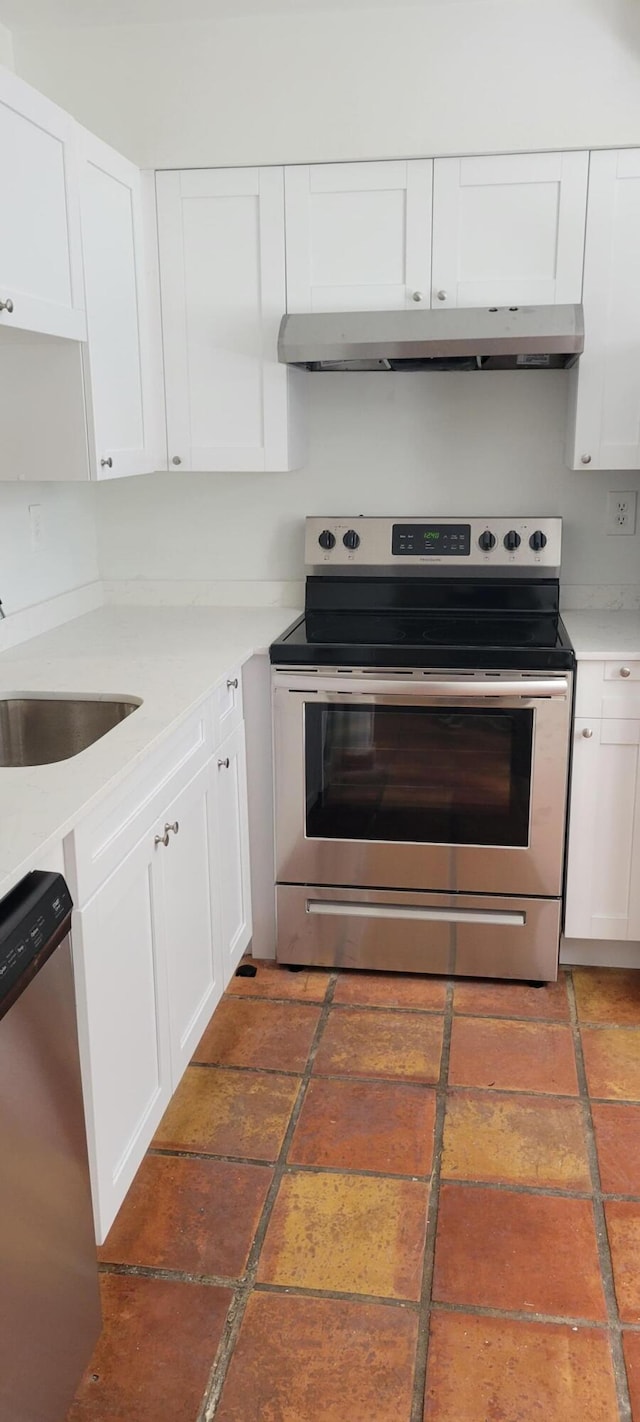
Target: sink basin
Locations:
point(37, 730)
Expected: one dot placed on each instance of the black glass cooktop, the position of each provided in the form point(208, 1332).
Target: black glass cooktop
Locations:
point(512, 627)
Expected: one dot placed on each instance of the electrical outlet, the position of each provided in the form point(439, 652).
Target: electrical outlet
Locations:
point(621, 511)
point(36, 526)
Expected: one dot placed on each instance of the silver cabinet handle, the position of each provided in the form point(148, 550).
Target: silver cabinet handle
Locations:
point(176, 459)
point(441, 295)
point(585, 458)
point(172, 829)
point(417, 296)
point(233, 684)
point(223, 764)
point(625, 671)
point(161, 839)
point(587, 733)
point(6, 305)
point(106, 463)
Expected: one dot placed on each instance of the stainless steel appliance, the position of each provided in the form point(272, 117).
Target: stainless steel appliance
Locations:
point(422, 714)
point(463, 338)
point(49, 1300)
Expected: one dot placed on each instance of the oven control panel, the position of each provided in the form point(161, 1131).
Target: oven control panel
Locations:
point(530, 546)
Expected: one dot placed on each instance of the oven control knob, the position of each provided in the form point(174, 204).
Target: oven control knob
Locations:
point(538, 540)
point(327, 539)
point(487, 541)
point(351, 539)
point(512, 540)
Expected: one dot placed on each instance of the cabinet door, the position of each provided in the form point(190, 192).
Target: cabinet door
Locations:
point(604, 428)
point(40, 256)
point(122, 1024)
point(603, 866)
point(509, 229)
point(233, 885)
point(190, 922)
point(358, 235)
point(116, 354)
point(222, 276)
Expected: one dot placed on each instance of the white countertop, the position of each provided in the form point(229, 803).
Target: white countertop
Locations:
point(171, 658)
point(604, 636)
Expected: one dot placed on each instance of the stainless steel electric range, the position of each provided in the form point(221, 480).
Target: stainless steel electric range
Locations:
point(422, 713)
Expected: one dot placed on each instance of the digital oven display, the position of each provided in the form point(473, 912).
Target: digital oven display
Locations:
point(440, 540)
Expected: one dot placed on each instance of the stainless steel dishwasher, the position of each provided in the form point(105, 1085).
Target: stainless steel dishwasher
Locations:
point(49, 1299)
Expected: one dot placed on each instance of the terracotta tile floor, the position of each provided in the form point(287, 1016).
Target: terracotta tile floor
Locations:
point(386, 1199)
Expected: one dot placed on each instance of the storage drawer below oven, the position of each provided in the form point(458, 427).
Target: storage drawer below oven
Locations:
point(451, 934)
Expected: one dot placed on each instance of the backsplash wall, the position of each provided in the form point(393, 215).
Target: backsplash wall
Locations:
point(67, 557)
point(411, 444)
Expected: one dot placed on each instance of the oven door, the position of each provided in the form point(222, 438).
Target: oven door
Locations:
point(422, 780)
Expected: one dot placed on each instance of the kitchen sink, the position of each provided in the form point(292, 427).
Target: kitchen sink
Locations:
point(37, 730)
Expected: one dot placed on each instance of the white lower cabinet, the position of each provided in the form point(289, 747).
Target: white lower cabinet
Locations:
point(191, 939)
point(603, 865)
point(157, 940)
point(122, 1024)
point(232, 850)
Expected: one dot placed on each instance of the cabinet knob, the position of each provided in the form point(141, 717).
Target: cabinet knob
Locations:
point(162, 839)
point(585, 458)
point(587, 733)
point(625, 671)
point(232, 685)
point(417, 296)
point(172, 829)
point(106, 463)
point(223, 764)
point(6, 305)
point(176, 459)
point(441, 295)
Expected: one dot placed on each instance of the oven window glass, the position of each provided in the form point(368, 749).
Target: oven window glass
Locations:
point(426, 775)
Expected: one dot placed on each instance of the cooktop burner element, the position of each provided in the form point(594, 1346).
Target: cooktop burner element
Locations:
point(430, 593)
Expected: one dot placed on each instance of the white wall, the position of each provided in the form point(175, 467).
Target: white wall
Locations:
point(68, 557)
point(6, 48)
point(406, 444)
point(472, 76)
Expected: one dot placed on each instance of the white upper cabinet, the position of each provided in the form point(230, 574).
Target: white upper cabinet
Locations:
point(604, 428)
point(358, 235)
point(509, 230)
point(116, 356)
point(230, 404)
point(40, 256)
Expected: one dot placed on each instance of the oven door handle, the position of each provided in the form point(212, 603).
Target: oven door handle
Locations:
point(451, 690)
point(334, 909)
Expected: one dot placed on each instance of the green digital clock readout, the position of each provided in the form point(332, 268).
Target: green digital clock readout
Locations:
point(442, 540)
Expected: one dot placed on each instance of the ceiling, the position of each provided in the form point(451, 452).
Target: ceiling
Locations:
point(25, 14)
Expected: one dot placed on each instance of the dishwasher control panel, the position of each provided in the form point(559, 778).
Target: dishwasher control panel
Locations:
point(30, 918)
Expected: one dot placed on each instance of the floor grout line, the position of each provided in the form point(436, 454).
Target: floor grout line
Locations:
point(292, 1167)
point(604, 1252)
point(422, 1348)
point(432, 1084)
point(224, 1354)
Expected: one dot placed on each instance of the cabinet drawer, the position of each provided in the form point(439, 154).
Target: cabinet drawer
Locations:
point(227, 705)
point(602, 691)
point(100, 842)
point(622, 671)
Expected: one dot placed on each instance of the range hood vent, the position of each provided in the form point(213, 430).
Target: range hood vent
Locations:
point(466, 338)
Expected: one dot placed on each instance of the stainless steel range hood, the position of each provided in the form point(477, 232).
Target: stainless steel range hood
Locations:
point(465, 338)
